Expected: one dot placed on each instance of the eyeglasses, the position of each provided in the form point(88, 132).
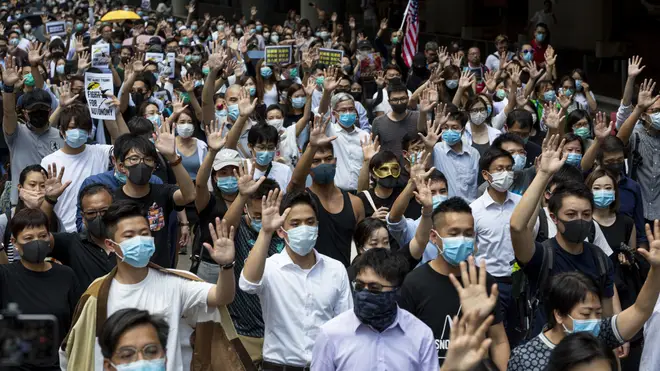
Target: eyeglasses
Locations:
point(91, 214)
point(527, 51)
point(386, 170)
point(400, 100)
point(130, 354)
point(371, 287)
point(134, 160)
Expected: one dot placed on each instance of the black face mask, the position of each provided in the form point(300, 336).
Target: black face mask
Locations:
point(139, 174)
point(125, 60)
point(357, 95)
point(35, 251)
point(388, 182)
point(616, 169)
point(399, 107)
point(39, 118)
point(138, 99)
point(576, 231)
point(57, 54)
point(95, 227)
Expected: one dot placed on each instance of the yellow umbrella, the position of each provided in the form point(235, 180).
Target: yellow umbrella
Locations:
point(119, 15)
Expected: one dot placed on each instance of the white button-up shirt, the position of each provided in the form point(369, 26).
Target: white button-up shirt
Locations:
point(491, 224)
point(295, 303)
point(348, 152)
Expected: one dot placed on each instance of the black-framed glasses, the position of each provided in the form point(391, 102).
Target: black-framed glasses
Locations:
point(134, 160)
point(91, 214)
point(371, 287)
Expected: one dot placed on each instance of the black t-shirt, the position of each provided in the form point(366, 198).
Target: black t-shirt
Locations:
point(619, 232)
point(533, 151)
point(291, 120)
point(158, 205)
point(413, 211)
point(53, 292)
point(87, 260)
point(432, 298)
point(216, 208)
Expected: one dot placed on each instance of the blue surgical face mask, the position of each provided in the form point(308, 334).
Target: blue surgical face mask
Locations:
point(574, 159)
point(519, 162)
point(568, 92)
point(451, 137)
point(264, 158)
point(259, 28)
point(347, 119)
point(121, 177)
point(540, 37)
point(205, 71)
point(227, 184)
point(603, 198)
point(655, 120)
point(142, 365)
point(221, 116)
point(591, 326)
point(137, 251)
point(298, 102)
point(320, 80)
point(582, 132)
point(252, 90)
point(527, 57)
point(76, 138)
point(155, 119)
point(324, 173)
point(550, 96)
point(451, 84)
point(456, 249)
point(266, 72)
point(59, 69)
point(578, 85)
point(438, 199)
point(301, 240)
point(233, 111)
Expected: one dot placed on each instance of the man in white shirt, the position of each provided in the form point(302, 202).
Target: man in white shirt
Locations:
point(492, 212)
point(137, 284)
point(78, 158)
point(299, 289)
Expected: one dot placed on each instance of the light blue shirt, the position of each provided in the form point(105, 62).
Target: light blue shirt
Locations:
point(345, 343)
point(460, 169)
point(404, 231)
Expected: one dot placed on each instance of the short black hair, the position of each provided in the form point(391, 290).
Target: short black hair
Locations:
point(521, 116)
point(453, 205)
point(455, 114)
point(265, 187)
point(364, 229)
point(571, 137)
point(507, 137)
point(119, 210)
point(273, 107)
point(262, 133)
point(580, 348)
point(491, 155)
point(126, 142)
point(80, 115)
point(602, 172)
point(396, 87)
point(611, 144)
point(565, 291)
point(298, 197)
point(36, 168)
point(140, 126)
point(382, 157)
point(576, 116)
point(28, 218)
point(126, 319)
point(388, 264)
point(564, 190)
point(566, 174)
point(438, 176)
point(92, 189)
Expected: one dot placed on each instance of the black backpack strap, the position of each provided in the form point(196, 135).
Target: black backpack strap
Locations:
point(601, 264)
point(546, 265)
point(543, 227)
point(7, 235)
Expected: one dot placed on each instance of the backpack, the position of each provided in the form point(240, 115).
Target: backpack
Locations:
point(635, 157)
point(528, 300)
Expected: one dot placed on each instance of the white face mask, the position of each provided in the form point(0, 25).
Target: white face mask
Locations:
point(276, 123)
point(185, 130)
point(478, 118)
point(502, 181)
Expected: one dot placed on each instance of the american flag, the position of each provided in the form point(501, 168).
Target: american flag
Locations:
point(412, 32)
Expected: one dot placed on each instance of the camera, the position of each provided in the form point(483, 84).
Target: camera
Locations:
point(27, 338)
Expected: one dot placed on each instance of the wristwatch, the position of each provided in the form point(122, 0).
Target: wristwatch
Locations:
point(8, 88)
point(50, 200)
point(228, 266)
point(177, 161)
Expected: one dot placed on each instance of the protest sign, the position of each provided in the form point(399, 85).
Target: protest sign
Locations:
point(98, 90)
point(171, 64)
point(330, 57)
point(100, 55)
point(278, 54)
point(56, 28)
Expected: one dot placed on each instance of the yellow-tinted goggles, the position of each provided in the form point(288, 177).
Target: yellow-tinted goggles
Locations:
point(389, 169)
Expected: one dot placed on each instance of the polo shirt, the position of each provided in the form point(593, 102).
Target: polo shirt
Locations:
point(87, 260)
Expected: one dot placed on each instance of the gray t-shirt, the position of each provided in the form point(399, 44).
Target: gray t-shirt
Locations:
point(391, 133)
point(28, 148)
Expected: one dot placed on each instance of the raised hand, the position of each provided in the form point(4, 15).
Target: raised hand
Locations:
point(317, 136)
point(585, 87)
point(601, 129)
point(310, 87)
point(35, 54)
point(443, 55)
point(552, 158)
point(515, 75)
point(188, 83)
point(80, 45)
point(246, 183)
point(653, 254)
point(645, 98)
point(83, 61)
point(222, 251)
point(177, 105)
point(214, 138)
point(472, 293)
point(331, 81)
point(333, 17)
point(54, 186)
point(165, 141)
point(380, 79)
point(634, 68)
point(491, 81)
point(253, 11)
point(383, 24)
point(10, 73)
point(351, 22)
point(423, 193)
point(245, 105)
point(138, 64)
point(217, 57)
point(65, 94)
point(550, 56)
point(271, 220)
point(521, 98)
point(418, 168)
point(432, 136)
point(551, 116)
point(370, 146)
point(534, 72)
point(381, 213)
point(456, 60)
point(466, 80)
point(429, 100)
point(564, 100)
point(469, 344)
point(441, 114)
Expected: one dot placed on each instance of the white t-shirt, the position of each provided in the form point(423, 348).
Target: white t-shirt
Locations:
point(94, 159)
point(168, 296)
point(270, 96)
point(279, 172)
point(384, 106)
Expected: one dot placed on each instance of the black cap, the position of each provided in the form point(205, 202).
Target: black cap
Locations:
point(364, 44)
point(37, 98)
point(155, 40)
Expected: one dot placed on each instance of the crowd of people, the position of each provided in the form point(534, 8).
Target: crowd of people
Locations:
point(455, 213)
